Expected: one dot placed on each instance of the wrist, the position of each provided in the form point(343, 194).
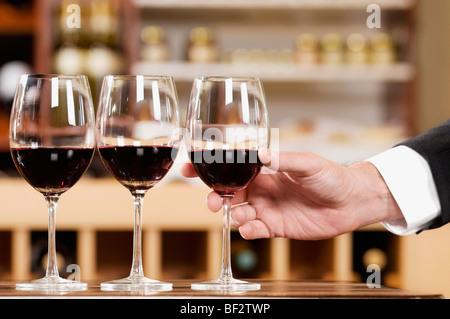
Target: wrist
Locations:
point(379, 203)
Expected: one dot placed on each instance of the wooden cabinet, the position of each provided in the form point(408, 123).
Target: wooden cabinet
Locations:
point(181, 238)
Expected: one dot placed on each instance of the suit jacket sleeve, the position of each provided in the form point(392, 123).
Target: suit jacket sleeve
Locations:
point(434, 146)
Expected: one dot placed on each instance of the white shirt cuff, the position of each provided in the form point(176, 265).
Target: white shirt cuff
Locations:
point(408, 177)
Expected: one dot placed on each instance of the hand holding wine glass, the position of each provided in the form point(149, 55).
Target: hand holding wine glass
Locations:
point(52, 143)
point(308, 197)
point(227, 123)
point(138, 136)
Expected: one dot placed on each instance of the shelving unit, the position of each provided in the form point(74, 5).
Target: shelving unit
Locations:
point(99, 213)
point(186, 71)
point(273, 4)
point(351, 98)
point(103, 224)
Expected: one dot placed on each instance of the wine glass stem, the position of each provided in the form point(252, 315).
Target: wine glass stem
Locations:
point(52, 267)
point(136, 267)
point(226, 273)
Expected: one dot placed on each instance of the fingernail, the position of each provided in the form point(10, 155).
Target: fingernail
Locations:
point(264, 155)
point(234, 222)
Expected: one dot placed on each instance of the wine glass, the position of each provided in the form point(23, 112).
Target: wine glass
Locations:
point(138, 137)
point(227, 123)
point(52, 141)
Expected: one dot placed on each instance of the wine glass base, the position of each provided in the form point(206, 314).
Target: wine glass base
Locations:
point(52, 284)
point(227, 285)
point(136, 283)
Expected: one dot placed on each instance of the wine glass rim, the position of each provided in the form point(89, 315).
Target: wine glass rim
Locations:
point(52, 75)
point(134, 76)
point(220, 78)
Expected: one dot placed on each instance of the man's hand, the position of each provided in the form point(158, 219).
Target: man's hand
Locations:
point(308, 197)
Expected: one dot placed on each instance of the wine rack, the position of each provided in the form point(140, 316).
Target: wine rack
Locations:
point(5, 254)
point(66, 254)
point(113, 253)
point(312, 260)
point(98, 228)
point(375, 248)
point(97, 216)
point(189, 262)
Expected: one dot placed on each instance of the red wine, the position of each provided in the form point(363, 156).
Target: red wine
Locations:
point(226, 171)
point(138, 167)
point(52, 170)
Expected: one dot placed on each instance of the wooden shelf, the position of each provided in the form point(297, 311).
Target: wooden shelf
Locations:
point(103, 204)
point(185, 71)
point(273, 4)
point(99, 211)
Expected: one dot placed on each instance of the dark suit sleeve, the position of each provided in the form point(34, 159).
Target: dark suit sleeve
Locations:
point(434, 146)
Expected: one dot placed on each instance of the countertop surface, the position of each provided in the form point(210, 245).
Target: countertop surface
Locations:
point(269, 289)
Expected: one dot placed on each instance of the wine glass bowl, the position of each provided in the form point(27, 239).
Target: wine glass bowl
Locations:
point(227, 123)
point(138, 138)
point(52, 142)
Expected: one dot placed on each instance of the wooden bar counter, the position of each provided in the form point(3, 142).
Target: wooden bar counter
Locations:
point(276, 299)
point(273, 289)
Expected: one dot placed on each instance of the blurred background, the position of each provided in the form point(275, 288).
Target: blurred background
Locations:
point(341, 80)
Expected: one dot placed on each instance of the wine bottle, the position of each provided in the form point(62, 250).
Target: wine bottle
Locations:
point(104, 52)
point(202, 48)
point(382, 49)
point(306, 49)
point(69, 56)
point(155, 48)
point(356, 49)
point(332, 49)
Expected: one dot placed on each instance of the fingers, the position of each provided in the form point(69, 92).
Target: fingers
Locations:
point(187, 170)
point(299, 163)
point(244, 217)
point(214, 202)
point(254, 229)
point(242, 214)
